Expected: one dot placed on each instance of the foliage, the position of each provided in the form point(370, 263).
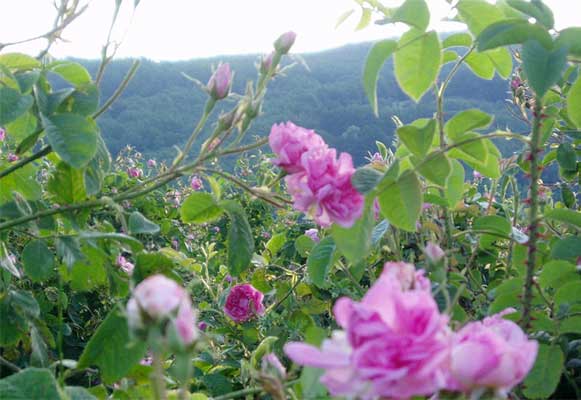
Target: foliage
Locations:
point(80, 230)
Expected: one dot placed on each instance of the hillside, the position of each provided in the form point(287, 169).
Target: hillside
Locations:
point(160, 106)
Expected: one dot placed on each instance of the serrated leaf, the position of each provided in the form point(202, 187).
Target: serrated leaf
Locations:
point(37, 260)
point(320, 261)
point(571, 39)
point(200, 207)
point(574, 102)
point(543, 68)
point(567, 248)
point(365, 19)
point(19, 61)
point(417, 62)
point(355, 250)
point(565, 216)
point(413, 13)
point(365, 179)
point(478, 14)
point(460, 39)
point(377, 56)
point(511, 32)
point(401, 202)
point(556, 273)
point(467, 120)
point(543, 379)
point(30, 383)
point(72, 72)
point(13, 104)
point(139, 224)
point(418, 140)
point(240, 242)
point(535, 9)
point(436, 169)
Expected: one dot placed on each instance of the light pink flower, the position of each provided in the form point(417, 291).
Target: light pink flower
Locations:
point(125, 265)
point(220, 82)
point(434, 253)
point(196, 183)
point(494, 354)
point(158, 298)
point(285, 41)
point(394, 343)
point(243, 303)
point(289, 142)
point(2, 134)
point(404, 274)
point(12, 157)
point(151, 163)
point(324, 189)
point(313, 234)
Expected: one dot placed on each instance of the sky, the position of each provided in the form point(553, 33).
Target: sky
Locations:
point(186, 29)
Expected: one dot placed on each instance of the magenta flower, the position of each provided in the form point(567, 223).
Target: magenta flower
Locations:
point(289, 142)
point(324, 189)
point(515, 83)
point(134, 172)
point(220, 82)
point(202, 325)
point(494, 353)
point(313, 233)
point(2, 134)
point(151, 163)
point(477, 175)
point(285, 41)
point(125, 265)
point(394, 343)
point(196, 183)
point(12, 157)
point(243, 303)
point(158, 298)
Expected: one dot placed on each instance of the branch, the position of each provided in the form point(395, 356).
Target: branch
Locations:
point(120, 89)
point(41, 153)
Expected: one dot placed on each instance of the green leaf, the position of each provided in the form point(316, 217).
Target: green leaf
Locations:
point(546, 373)
point(23, 181)
point(543, 68)
point(311, 387)
point(571, 39)
point(568, 248)
point(436, 169)
point(418, 140)
point(460, 39)
point(502, 61)
point(19, 61)
point(556, 273)
point(498, 227)
point(474, 150)
point(111, 348)
point(365, 179)
point(13, 104)
point(200, 207)
point(37, 260)
point(401, 202)
point(569, 294)
point(467, 120)
point(377, 56)
point(240, 242)
point(73, 137)
point(413, 13)
point(303, 245)
point(6, 262)
point(139, 224)
point(72, 72)
point(355, 250)
point(26, 303)
point(567, 195)
point(567, 157)
point(320, 261)
point(133, 243)
point(480, 64)
point(565, 216)
point(39, 355)
point(510, 32)
point(417, 62)
point(67, 185)
point(79, 393)
point(343, 17)
point(30, 383)
point(574, 103)
point(97, 168)
point(478, 14)
point(535, 9)
point(449, 56)
point(365, 19)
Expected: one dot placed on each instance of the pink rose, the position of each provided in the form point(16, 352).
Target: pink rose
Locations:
point(159, 298)
point(220, 82)
point(196, 183)
point(494, 354)
point(289, 142)
point(324, 189)
point(394, 343)
point(243, 303)
point(125, 265)
point(285, 41)
point(134, 172)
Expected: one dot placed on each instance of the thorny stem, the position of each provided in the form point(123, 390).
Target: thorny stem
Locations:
point(157, 377)
point(41, 153)
point(533, 231)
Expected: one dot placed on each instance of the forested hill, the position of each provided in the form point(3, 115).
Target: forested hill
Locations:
point(160, 106)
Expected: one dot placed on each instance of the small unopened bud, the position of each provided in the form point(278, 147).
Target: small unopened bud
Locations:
point(13, 157)
point(284, 43)
point(220, 82)
point(434, 253)
point(2, 134)
point(151, 163)
point(196, 183)
point(266, 63)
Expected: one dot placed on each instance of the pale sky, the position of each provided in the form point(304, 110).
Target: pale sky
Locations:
point(185, 29)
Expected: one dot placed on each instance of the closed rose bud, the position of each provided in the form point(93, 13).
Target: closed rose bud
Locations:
point(13, 157)
point(243, 303)
point(284, 43)
point(477, 175)
point(202, 325)
point(151, 163)
point(196, 183)
point(266, 63)
point(220, 82)
point(2, 134)
point(134, 172)
point(434, 253)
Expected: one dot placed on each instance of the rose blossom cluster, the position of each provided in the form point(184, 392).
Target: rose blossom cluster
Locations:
point(319, 181)
point(396, 344)
point(157, 299)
